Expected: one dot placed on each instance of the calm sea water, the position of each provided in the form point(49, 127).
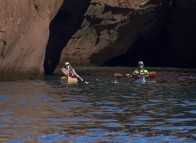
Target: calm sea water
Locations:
point(44, 111)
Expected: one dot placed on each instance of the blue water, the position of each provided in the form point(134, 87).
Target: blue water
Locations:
point(164, 110)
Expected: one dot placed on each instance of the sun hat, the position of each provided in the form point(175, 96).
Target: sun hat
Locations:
point(67, 63)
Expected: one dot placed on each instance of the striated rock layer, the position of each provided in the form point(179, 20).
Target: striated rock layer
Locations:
point(24, 31)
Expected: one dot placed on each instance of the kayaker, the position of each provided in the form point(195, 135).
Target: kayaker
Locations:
point(140, 71)
point(69, 71)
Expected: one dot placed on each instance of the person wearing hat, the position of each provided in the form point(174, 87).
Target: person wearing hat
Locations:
point(139, 72)
point(69, 71)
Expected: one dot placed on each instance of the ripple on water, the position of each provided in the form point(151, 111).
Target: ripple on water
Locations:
point(53, 138)
point(169, 128)
point(19, 140)
point(158, 139)
point(3, 98)
point(178, 120)
point(98, 112)
point(6, 119)
point(192, 111)
point(2, 126)
point(5, 112)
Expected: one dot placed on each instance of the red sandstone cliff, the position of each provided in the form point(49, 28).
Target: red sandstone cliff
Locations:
point(94, 32)
point(162, 32)
point(109, 29)
point(24, 31)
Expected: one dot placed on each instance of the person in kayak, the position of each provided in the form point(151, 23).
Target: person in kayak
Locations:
point(69, 71)
point(140, 71)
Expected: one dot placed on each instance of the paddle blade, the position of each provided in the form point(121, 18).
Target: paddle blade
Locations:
point(152, 74)
point(118, 75)
point(87, 82)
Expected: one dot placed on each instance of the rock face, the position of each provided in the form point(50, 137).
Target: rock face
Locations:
point(63, 26)
point(24, 31)
point(108, 30)
point(121, 32)
point(181, 31)
point(94, 32)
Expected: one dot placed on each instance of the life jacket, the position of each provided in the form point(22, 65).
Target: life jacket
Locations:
point(71, 72)
point(137, 71)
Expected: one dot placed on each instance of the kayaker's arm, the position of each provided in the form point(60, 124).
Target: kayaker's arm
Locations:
point(79, 77)
point(129, 75)
point(64, 71)
point(135, 72)
point(146, 73)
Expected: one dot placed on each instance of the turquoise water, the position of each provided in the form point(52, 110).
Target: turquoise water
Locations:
point(164, 110)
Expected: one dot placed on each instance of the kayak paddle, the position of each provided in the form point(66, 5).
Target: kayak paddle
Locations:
point(82, 79)
point(152, 74)
point(118, 75)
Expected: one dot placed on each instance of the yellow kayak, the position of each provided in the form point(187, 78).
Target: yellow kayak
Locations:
point(69, 80)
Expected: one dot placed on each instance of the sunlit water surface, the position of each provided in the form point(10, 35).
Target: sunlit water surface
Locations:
point(101, 111)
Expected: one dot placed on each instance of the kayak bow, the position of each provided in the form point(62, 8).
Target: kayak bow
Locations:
point(141, 80)
point(69, 80)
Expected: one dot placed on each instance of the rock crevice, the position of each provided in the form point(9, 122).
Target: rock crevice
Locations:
point(67, 21)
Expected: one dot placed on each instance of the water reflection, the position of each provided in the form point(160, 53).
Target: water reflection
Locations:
point(43, 111)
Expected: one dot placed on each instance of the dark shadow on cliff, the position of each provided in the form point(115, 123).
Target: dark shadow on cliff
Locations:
point(67, 21)
point(150, 49)
point(171, 44)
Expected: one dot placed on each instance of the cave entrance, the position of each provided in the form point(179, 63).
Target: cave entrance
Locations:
point(67, 21)
point(152, 49)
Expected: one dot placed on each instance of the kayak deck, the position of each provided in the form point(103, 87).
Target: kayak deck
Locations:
point(141, 80)
point(69, 80)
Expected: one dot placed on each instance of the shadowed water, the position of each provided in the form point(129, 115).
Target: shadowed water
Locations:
point(102, 111)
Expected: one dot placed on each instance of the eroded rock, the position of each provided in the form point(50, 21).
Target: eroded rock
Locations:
point(24, 31)
point(110, 28)
point(94, 32)
point(121, 32)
